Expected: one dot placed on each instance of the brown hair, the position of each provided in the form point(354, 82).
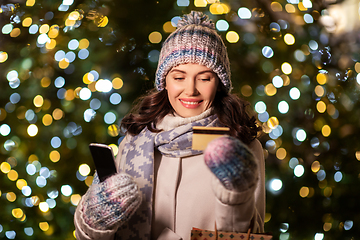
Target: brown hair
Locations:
point(230, 109)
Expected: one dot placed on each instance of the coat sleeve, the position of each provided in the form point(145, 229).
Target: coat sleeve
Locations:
point(82, 230)
point(237, 211)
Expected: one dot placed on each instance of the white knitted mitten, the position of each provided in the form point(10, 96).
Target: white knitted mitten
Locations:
point(232, 163)
point(110, 203)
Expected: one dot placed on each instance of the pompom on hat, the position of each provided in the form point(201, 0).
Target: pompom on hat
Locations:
point(194, 41)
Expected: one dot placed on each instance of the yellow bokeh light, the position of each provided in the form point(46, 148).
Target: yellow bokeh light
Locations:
point(21, 111)
point(44, 226)
point(3, 114)
point(88, 78)
point(35, 200)
point(74, 15)
point(155, 37)
point(102, 21)
point(38, 101)
point(319, 91)
point(302, 7)
point(33, 158)
point(246, 90)
point(69, 95)
point(168, 27)
point(318, 124)
point(273, 122)
point(304, 192)
point(331, 110)
point(84, 43)
point(57, 113)
point(327, 191)
point(290, 8)
point(11, 197)
point(200, 3)
point(357, 67)
point(327, 227)
point(50, 44)
point(75, 199)
point(44, 28)
point(276, 7)
point(218, 8)
point(270, 89)
point(89, 180)
point(281, 153)
point(91, 86)
point(17, 213)
point(15, 32)
point(21, 183)
point(326, 130)
point(77, 92)
point(267, 217)
point(45, 82)
point(289, 39)
point(286, 68)
point(27, 22)
point(117, 83)
point(5, 167)
point(23, 218)
point(64, 63)
point(3, 56)
point(47, 120)
point(46, 105)
point(84, 169)
point(286, 80)
point(232, 37)
point(115, 148)
point(315, 166)
point(69, 22)
point(54, 31)
point(113, 130)
point(54, 156)
point(321, 107)
point(357, 155)
point(321, 78)
point(30, 3)
point(12, 175)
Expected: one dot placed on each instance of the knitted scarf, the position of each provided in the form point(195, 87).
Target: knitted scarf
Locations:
point(138, 154)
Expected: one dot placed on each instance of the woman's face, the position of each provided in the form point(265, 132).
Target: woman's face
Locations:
point(191, 89)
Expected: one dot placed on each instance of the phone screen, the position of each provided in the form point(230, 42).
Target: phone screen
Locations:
point(104, 160)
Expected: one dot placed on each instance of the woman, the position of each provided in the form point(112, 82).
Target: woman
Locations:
point(164, 188)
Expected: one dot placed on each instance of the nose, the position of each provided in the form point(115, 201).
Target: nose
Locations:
point(190, 88)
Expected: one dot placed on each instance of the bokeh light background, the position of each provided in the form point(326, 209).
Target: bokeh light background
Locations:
point(70, 70)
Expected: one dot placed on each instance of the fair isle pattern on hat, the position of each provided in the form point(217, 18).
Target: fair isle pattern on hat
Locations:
point(194, 41)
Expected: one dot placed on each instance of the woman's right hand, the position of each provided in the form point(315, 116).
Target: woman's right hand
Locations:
point(110, 203)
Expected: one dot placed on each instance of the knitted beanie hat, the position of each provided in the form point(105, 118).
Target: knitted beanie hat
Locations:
point(194, 41)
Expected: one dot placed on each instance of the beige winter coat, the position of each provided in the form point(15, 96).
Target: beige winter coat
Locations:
point(187, 194)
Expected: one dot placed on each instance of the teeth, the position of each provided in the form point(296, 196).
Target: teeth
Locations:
point(190, 103)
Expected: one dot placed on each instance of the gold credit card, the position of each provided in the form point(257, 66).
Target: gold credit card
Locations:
point(203, 135)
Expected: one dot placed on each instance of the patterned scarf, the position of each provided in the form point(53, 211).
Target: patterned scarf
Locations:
point(138, 154)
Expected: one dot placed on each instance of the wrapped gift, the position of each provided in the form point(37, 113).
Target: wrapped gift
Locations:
point(199, 234)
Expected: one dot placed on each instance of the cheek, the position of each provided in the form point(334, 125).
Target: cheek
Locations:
point(173, 90)
point(210, 92)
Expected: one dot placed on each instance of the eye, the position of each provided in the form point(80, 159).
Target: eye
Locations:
point(178, 78)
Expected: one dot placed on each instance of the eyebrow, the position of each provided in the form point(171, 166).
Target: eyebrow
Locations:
point(181, 71)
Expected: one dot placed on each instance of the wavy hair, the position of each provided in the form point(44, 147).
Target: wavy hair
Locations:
point(230, 109)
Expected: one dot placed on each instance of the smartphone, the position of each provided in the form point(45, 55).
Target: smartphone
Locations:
point(104, 160)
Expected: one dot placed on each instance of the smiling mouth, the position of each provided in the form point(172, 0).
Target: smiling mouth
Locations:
point(191, 102)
